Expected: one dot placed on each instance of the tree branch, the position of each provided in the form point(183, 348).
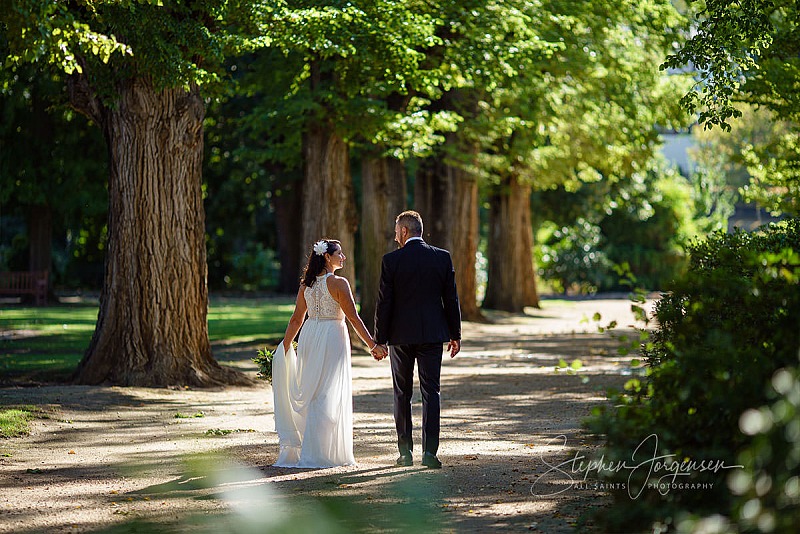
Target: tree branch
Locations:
point(82, 96)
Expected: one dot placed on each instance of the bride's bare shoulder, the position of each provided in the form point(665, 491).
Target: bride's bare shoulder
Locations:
point(338, 282)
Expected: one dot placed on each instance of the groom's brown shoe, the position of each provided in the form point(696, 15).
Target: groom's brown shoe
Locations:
point(431, 461)
point(405, 460)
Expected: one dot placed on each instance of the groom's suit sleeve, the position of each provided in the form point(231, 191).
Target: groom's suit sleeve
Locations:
point(383, 308)
point(452, 307)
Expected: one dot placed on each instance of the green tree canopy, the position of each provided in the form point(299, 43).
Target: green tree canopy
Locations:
point(742, 51)
point(750, 52)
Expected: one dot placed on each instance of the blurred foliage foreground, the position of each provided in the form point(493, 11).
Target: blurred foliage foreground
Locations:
point(252, 504)
point(709, 441)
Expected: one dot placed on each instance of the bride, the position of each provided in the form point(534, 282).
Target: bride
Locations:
point(312, 387)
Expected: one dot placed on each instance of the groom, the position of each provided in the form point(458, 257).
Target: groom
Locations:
point(417, 311)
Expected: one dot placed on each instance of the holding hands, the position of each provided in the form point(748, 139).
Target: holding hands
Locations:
point(379, 352)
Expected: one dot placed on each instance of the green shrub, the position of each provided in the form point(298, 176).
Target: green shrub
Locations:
point(253, 269)
point(571, 258)
point(723, 331)
point(766, 492)
point(644, 223)
point(650, 240)
point(768, 488)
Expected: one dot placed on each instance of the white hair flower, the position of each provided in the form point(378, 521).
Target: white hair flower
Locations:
point(321, 247)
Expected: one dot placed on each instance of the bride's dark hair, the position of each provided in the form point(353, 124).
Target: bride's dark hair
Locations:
point(316, 262)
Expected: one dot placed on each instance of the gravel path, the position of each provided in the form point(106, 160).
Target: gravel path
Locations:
point(123, 459)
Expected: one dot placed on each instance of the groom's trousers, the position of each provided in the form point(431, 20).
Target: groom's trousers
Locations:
point(428, 357)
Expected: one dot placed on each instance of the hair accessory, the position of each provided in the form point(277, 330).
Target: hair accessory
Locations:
point(321, 247)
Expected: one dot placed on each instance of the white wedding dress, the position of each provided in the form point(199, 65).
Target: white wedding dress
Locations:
point(312, 388)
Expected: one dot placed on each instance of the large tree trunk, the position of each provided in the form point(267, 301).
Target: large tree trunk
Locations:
point(512, 283)
point(329, 207)
point(287, 200)
point(447, 198)
point(383, 183)
point(151, 328)
point(328, 200)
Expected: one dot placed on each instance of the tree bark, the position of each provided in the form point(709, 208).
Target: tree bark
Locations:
point(446, 196)
point(40, 237)
point(288, 203)
point(383, 183)
point(512, 284)
point(40, 246)
point(151, 328)
point(328, 200)
point(40, 216)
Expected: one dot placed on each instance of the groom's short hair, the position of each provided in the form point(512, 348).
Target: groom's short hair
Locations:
point(411, 220)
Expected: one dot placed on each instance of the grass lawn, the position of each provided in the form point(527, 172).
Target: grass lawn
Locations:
point(14, 423)
point(48, 343)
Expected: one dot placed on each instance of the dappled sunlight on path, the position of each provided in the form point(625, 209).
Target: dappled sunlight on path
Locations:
point(100, 456)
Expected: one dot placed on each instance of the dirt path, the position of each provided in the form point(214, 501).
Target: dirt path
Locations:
point(108, 457)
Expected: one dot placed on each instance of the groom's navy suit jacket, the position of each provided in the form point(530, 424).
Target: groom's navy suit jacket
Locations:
point(417, 299)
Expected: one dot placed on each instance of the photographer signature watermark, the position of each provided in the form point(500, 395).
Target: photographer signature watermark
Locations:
point(647, 469)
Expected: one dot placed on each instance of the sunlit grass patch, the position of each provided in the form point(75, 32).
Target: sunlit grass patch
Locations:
point(245, 321)
point(51, 319)
point(180, 415)
point(14, 423)
point(49, 342)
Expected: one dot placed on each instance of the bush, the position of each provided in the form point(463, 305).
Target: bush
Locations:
point(644, 222)
point(253, 269)
point(768, 489)
point(650, 234)
point(724, 330)
point(571, 258)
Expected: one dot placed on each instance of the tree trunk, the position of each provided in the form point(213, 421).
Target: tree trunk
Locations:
point(288, 203)
point(40, 236)
point(512, 283)
point(328, 199)
point(383, 182)
point(151, 328)
point(40, 248)
point(447, 198)
point(40, 216)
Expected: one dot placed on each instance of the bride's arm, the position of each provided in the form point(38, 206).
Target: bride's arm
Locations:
point(341, 293)
point(296, 321)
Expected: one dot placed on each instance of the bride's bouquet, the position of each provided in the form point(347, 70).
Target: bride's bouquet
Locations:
point(264, 361)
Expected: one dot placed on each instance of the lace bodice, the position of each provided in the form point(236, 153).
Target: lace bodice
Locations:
point(320, 302)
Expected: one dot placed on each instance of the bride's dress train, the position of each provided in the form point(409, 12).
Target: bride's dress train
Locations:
point(312, 388)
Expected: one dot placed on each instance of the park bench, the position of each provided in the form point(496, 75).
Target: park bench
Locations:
point(25, 283)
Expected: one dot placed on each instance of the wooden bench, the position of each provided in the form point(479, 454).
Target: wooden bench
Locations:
point(25, 283)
